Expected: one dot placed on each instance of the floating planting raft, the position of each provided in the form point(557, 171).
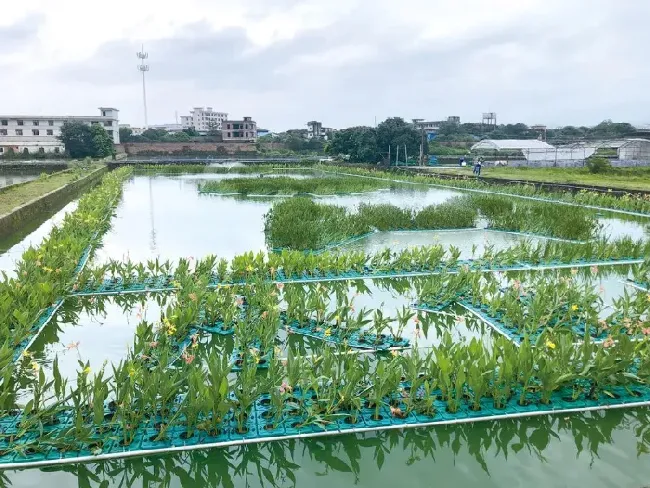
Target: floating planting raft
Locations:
point(117, 286)
point(106, 441)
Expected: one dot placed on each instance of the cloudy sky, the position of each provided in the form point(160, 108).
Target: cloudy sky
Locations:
point(344, 62)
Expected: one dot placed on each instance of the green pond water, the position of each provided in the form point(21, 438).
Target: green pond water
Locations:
point(166, 217)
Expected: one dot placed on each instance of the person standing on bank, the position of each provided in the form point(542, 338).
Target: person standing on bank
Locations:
point(479, 164)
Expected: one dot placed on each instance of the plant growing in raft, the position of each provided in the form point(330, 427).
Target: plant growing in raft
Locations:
point(403, 316)
point(384, 380)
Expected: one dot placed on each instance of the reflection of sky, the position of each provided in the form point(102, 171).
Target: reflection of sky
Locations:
point(166, 217)
point(7, 179)
point(9, 257)
point(471, 243)
point(100, 337)
point(614, 228)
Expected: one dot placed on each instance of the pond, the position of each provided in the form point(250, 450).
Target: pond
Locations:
point(166, 217)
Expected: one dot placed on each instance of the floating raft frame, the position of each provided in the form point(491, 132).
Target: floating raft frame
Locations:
point(176, 444)
point(114, 287)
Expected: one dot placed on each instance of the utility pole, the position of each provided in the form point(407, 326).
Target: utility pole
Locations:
point(142, 55)
point(397, 156)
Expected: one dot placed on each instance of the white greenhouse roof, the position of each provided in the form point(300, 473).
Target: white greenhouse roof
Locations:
point(635, 142)
point(505, 144)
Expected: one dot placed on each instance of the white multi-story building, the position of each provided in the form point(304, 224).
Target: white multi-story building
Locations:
point(39, 133)
point(203, 119)
point(316, 129)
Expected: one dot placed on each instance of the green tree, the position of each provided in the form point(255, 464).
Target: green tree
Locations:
point(101, 142)
point(191, 131)
point(77, 139)
point(177, 137)
point(154, 135)
point(358, 144)
point(394, 132)
point(126, 133)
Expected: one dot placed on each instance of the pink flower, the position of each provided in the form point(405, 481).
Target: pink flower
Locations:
point(594, 269)
point(609, 342)
point(193, 297)
point(72, 345)
point(279, 286)
point(285, 388)
point(188, 358)
point(153, 344)
point(264, 315)
point(416, 320)
point(646, 331)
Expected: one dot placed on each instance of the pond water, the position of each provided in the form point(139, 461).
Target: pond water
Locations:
point(166, 217)
point(12, 248)
point(14, 176)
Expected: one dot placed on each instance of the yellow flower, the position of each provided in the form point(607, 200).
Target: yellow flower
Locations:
point(574, 307)
point(27, 354)
point(131, 371)
point(86, 370)
point(328, 332)
point(337, 318)
point(394, 352)
point(550, 345)
point(249, 268)
point(648, 297)
point(34, 365)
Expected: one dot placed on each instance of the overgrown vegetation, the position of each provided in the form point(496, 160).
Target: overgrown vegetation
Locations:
point(285, 185)
point(300, 223)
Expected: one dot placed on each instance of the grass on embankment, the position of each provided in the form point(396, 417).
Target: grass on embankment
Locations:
point(623, 178)
point(12, 198)
point(285, 185)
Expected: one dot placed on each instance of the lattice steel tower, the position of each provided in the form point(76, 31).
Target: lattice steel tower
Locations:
point(142, 55)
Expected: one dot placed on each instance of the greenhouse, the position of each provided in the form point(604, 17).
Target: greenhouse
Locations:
point(635, 150)
point(242, 325)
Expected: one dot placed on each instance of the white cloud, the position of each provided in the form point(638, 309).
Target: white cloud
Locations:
point(344, 61)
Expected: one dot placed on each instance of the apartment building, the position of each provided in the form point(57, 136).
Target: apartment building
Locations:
point(239, 130)
point(316, 129)
point(39, 133)
point(203, 120)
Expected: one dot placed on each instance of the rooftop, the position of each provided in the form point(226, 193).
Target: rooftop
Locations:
point(505, 144)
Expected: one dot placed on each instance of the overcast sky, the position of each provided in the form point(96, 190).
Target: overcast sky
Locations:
point(343, 62)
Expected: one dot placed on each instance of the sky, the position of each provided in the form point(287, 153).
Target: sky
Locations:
point(343, 62)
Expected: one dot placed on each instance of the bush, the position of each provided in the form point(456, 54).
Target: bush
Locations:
point(454, 214)
point(385, 216)
point(300, 223)
point(598, 165)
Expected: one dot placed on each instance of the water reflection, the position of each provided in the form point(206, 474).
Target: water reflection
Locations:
point(597, 449)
